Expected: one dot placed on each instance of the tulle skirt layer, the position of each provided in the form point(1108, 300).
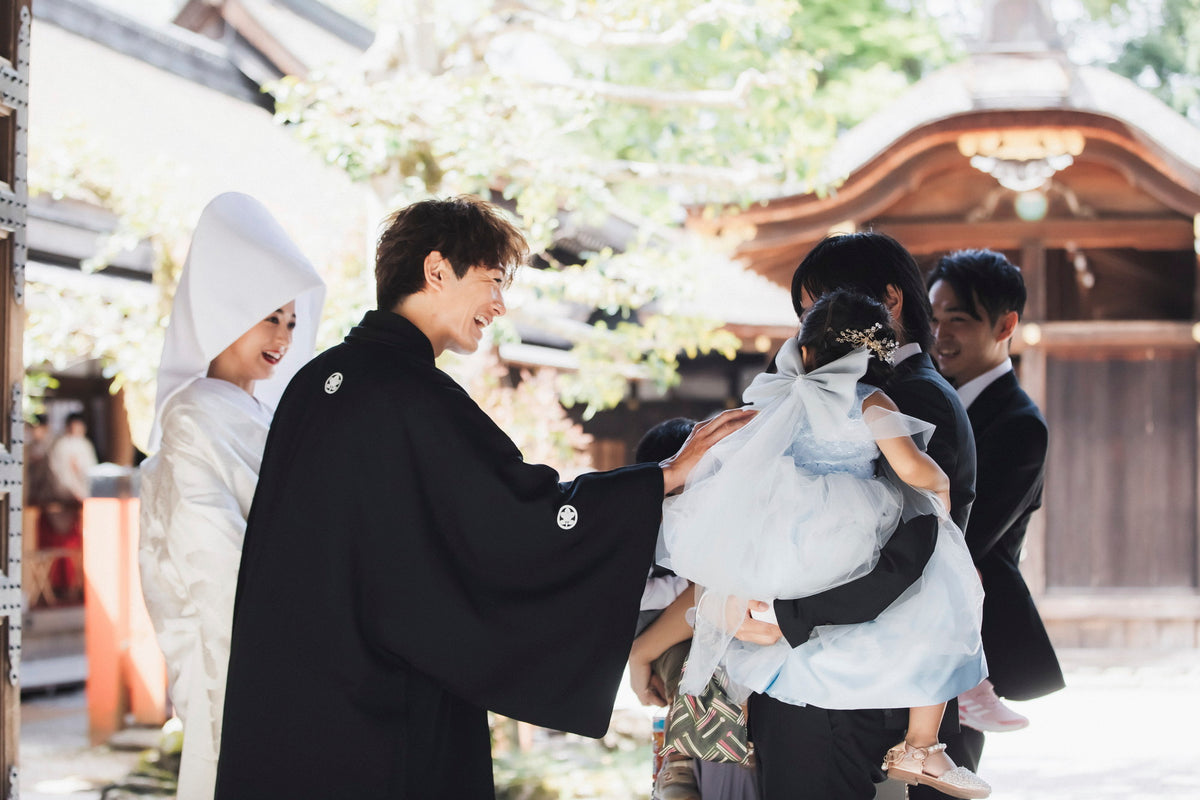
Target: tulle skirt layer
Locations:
point(782, 533)
point(923, 649)
point(776, 531)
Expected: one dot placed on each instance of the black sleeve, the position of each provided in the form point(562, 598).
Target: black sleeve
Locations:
point(901, 562)
point(516, 592)
point(1012, 459)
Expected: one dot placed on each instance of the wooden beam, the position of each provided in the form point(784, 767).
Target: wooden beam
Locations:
point(1119, 605)
point(245, 23)
point(1032, 375)
point(1116, 334)
point(1136, 234)
point(1033, 268)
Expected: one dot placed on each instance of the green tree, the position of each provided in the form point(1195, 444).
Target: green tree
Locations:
point(65, 323)
point(573, 114)
point(578, 111)
point(1155, 43)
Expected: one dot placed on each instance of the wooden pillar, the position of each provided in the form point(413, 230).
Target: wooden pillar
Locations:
point(1033, 565)
point(1196, 250)
point(1196, 531)
point(1196, 361)
point(1033, 267)
point(1033, 381)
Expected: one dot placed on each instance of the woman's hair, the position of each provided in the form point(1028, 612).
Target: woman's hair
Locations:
point(867, 262)
point(840, 322)
point(467, 231)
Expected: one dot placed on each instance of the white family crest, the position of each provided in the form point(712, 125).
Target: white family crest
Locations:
point(333, 383)
point(568, 517)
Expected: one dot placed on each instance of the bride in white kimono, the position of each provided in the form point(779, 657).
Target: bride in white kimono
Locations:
point(246, 299)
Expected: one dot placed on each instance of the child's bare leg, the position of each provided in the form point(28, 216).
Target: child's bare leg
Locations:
point(923, 725)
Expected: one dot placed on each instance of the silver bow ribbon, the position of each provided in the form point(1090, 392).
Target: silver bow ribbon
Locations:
point(827, 393)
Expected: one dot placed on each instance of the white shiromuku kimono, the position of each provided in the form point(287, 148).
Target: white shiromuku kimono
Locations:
point(209, 436)
point(196, 493)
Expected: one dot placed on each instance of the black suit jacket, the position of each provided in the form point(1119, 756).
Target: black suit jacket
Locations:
point(1011, 440)
point(919, 391)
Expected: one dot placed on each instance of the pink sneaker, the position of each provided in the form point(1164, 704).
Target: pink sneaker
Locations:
point(981, 709)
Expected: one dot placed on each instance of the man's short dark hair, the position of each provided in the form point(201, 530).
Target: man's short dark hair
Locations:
point(467, 231)
point(983, 275)
point(76, 416)
point(867, 263)
point(663, 440)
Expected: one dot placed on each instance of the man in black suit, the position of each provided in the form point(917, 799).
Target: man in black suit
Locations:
point(977, 298)
point(828, 754)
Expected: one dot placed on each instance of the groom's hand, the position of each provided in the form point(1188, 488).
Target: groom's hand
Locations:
point(756, 631)
point(677, 468)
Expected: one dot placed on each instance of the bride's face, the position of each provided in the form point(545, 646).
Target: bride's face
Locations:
point(256, 352)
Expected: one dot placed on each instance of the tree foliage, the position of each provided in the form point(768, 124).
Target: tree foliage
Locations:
point(572, 112)
point(66, 322)
point(1155, 43)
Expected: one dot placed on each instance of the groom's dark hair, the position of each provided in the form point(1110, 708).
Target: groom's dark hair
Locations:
point(467, 231)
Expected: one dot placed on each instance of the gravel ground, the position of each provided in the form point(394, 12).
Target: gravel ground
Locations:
point(1125, 728)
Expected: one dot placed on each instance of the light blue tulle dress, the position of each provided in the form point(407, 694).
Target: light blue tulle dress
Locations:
point(791, 505)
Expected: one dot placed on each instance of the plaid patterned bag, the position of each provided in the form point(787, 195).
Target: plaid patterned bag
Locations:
point(709, 726)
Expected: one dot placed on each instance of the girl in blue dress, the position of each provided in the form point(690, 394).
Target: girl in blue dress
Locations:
point(799, 501)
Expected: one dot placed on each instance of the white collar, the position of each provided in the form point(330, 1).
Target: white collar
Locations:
point(969, 392)
point(905, 351)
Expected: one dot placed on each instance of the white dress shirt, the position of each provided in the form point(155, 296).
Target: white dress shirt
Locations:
point(971, 390)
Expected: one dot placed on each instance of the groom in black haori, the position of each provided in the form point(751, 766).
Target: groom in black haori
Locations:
point(405, 571)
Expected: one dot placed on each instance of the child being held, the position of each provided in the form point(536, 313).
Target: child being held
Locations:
point(793, 504)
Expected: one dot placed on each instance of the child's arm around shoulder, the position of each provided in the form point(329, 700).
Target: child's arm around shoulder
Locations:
point(912, 465)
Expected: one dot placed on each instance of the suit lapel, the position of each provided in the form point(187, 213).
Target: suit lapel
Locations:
point(993, 400)
point(911, 365)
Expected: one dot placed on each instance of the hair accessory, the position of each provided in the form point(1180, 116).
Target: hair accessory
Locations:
point(884, 347)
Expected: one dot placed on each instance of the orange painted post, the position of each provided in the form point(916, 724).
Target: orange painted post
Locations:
point(145, 668)
point(126, 672)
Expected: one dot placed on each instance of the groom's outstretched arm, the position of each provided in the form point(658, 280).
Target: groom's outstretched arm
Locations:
point(901, 562)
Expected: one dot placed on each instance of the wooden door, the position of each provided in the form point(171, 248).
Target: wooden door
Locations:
point(1121, 475)
point(15, 17)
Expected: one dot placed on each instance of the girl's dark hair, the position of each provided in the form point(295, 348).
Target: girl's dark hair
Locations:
point(837, 313)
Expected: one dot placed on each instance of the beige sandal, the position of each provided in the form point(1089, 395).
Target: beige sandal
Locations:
point(907, 763)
